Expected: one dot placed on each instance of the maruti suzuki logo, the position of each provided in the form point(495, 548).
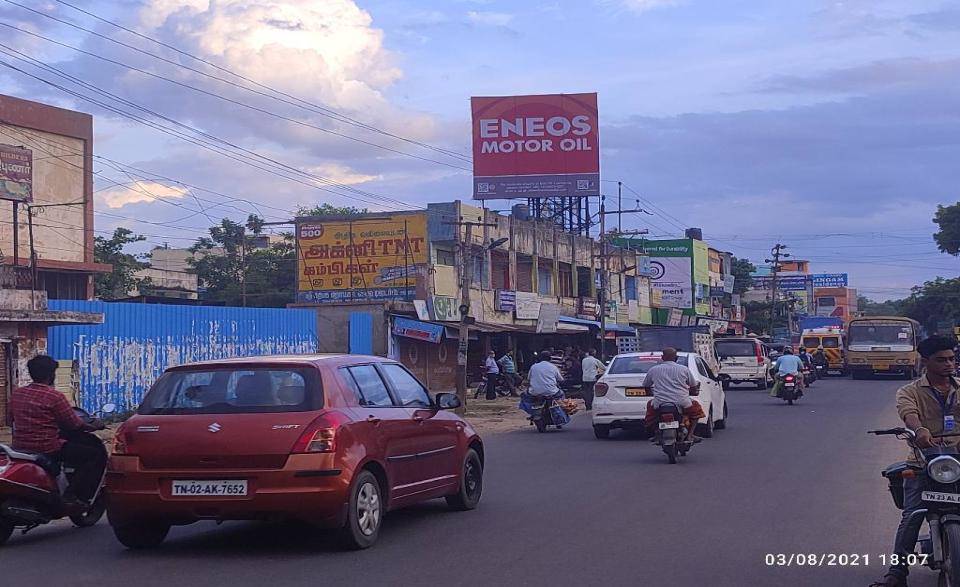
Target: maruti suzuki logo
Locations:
point(214, 427)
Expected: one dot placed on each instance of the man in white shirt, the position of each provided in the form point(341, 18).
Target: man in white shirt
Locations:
point(545, 377)
point(493, 374)
point(592, 370)
point(673, 383)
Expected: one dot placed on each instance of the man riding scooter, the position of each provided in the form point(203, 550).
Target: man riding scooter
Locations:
point(41, 417)
point(787, 364)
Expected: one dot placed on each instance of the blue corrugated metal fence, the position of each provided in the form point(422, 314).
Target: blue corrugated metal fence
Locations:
point(361, 333)
point(121, 358)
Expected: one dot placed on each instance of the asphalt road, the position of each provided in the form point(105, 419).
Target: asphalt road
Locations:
point(564, 508)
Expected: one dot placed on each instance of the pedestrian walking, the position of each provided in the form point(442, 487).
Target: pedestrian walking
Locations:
point(508, 372)
point(592, 370)
point(493, 374)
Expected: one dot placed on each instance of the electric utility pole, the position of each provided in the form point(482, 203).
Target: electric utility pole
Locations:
point(466, 273)
point(604, 277)
point(777, 253)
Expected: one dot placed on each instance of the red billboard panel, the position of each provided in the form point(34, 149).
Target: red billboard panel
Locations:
point(535, 146)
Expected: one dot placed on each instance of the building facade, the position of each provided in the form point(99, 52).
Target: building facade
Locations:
point(46, 230)
point(393, 283)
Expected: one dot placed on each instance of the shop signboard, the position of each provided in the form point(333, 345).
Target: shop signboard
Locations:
point(417, 329)
point(506, 300)
point(445, 309)
point(528, 306)
point(16, 173)
point(370, 258)
point(548, 318)
point(829, 279)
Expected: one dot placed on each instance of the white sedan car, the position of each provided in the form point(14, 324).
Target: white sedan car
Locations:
point(620, 401)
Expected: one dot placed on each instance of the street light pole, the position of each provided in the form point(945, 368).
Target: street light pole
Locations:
point(777, 253)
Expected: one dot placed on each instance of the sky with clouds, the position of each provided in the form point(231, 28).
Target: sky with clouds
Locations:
point(833, 127)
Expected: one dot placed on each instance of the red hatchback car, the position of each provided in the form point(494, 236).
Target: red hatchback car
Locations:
point(334, 440)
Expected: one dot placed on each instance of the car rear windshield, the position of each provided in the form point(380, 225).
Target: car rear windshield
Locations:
point(736, 348)
point(629, 365)
point(234, 390)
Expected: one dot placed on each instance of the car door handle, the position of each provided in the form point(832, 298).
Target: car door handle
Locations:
point(418, 419)
point(373, 420)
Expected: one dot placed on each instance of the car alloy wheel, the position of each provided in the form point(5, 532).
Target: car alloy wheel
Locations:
point(368, 508)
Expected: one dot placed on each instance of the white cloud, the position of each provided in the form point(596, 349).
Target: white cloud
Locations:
point(341, 174)
point(490, 18)
point(141, 191)
point(645, 5)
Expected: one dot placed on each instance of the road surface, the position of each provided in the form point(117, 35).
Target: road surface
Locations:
point(563, 508)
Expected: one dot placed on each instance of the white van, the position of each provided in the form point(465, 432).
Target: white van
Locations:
point(743, 360)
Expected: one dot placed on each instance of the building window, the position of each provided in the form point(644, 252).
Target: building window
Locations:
point(565, 280)
point(826, 302)
point(544, 280)
point(477, 256)
point(524, 273)
point(584, 282)
point(446, 257)
point(499, 270)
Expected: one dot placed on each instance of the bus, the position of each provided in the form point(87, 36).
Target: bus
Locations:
point(883, 344)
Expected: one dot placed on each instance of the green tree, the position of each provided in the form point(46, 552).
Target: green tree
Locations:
point(758, 317)
point(233, 270)
point(326, 209)
point(123, 279)
point(947, 237)
point(933, 302)
point(868, 307)
point(742, 271)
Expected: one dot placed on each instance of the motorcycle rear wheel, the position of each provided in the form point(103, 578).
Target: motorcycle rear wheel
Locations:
point(93, 513)
point(671, 451)
point(789, 402)
point(6, 530)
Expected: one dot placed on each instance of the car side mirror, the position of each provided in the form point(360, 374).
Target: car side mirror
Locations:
point(447, 401)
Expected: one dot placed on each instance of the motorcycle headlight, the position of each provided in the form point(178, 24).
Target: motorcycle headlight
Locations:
point(944, 469)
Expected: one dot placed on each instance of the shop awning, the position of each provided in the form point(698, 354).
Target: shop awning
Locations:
point(596, 324)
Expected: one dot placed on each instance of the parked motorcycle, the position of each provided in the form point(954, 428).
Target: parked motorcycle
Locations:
point(544, 411)
point(672, 431)
point(32, 486)
point(791, 388)
point(940, 475)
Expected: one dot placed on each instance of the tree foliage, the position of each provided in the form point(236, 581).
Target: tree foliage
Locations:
point(758, 317)
point(933, 302)
point(742, 270)
point(123, 279)
point(233, 270)
point(868, 307)
point(947, 237)
point(326, 209)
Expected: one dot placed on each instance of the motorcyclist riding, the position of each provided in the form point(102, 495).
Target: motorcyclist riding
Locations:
point(820, 358)
point(787, 364)
point(41, 417)
point(673, 383)
point(927, 406)
point(545, 377)
point(806, 357)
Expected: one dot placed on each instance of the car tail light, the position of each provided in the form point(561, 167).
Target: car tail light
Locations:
point(666, 418)
point(319, 436)
point(759, 351)
point(122, 441)
point(600, 389)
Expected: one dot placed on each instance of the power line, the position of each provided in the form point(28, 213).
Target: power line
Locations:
point(323, 110)
point(213, 94)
